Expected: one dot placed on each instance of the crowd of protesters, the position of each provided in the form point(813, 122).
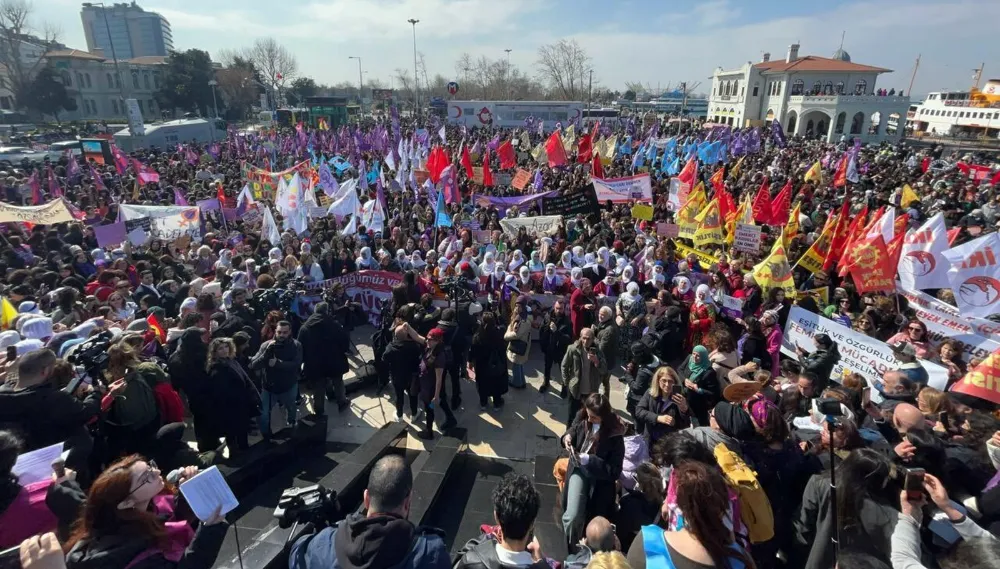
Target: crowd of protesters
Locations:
point(205, 335)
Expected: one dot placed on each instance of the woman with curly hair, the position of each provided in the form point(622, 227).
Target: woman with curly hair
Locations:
point(240, 400)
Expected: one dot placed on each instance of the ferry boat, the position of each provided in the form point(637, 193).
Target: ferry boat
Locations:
point(971, 114)
point(671, 103)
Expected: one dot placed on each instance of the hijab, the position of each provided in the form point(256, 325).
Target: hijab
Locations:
point(697, 368)
point(535, 264)
point(525, 275)
point(516, 260)
point(631, 293)
point(703, 295)
point(575, 276)
point(566, 260)
point(416, 261)
point(683, 285)
point(589, 260)
point(627, 273)
point(605, 257)
point(489, 264)
point(620, 265)
point(578, 258)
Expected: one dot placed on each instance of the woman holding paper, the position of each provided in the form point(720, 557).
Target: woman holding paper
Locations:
point(128, 520)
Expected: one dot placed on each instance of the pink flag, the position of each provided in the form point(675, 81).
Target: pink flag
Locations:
point(54, 189)
point(36, 189)
point(146, 174)
point(72, 168)
point(121, 162)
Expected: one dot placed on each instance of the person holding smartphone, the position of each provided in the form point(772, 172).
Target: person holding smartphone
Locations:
point(663, 409)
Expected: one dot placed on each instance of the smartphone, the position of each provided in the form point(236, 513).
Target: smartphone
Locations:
point(866, 396)
point(757, 361)
point(11, 353)
point(675, 390)
point(914, 482)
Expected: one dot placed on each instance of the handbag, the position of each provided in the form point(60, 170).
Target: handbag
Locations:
point(518, 347)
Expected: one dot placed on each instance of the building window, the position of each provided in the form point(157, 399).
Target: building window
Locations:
point(111, 82)
point(817, 88)
point(839, 125)
point(756, 87)
point(828, 88)
point(145, 80)
point(857, 122)
point(114, 106)
point(135, 80)
point(743, 91)
point(79, 79)
point(141, 110)
point(798, 86)
point(861, 87)
point(777, 88)
point(156, 80)
point(87, 77)
point(149, 104)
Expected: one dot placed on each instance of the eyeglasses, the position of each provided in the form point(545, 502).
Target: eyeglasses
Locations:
point(148, 477)
point(916, 329)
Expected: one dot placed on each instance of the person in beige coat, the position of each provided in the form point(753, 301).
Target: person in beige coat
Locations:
point(518, 338)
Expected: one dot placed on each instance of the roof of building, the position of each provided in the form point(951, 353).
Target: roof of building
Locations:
point(148, 60)
point(817, 63)
point(76, 53)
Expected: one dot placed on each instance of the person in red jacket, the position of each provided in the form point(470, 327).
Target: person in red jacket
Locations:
point(581, 306)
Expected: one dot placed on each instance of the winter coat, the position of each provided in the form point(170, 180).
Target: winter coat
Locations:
point(572, 364)
point(650, 408)
point(481, 553)
point(284, 374)
point(44, 416)
point(238, 398)
point(606, 338)
point(821, 363)
point(378, 542)
point(521, 332)
point(603, 468)
point(325, 345)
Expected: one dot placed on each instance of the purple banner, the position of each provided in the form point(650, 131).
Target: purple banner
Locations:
point(111, 235)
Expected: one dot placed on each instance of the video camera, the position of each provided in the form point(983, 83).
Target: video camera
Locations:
point(311, 504)
point(457, 288)
point(92, 355)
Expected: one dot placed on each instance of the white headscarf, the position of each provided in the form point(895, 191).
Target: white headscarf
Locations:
point(703, 295)
point(566, 260)
point(516, 260)
point(627, 274)
point(576, 275)
point(620, 265)
point(589, 260)
point(525, 275)
point(550, 274)
point(416, 261)
point(578, 258)
point(605, 256)
point(489, 264)
point(683, 285)
point(631, 292)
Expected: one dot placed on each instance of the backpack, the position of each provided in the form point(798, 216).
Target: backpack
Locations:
point(755, 508)
point(137, 405)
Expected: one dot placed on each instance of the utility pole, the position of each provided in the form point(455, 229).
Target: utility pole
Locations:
point(590, 91)
point(416, 82)
point(506, 74)
point(114, 56)
point(361, 84)
point(913, 76)
point(978, 75)
point(684, 103)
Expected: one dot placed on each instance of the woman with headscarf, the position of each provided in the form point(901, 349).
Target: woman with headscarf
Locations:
point(552, 283)
point(627, 276)
point(683, 291)
point(576, 277)
point(443, 269)
point(516, 260)
point(620, 264)
point(366, 262)
point(489, 264)
point(402, 260)
point(701, 384)
point(604, 258)
point(578, 257)
point(535, 264)
point(606, 286)
point(774, 335)
point(566, 261)
point(630, 312)
point(524, 283)
point(416, 261)
point(225, 259)
point(702, 316)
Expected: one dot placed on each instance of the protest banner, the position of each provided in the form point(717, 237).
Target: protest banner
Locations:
point(111, 235)
point(482, 236)
point(983, 381)
point(642, 211)
point(858, 353)
point(521, 179)
point(732, 306)
point(621, 190)
point(979, 338)
point(669, 230)
point(52, 212)
point(477, 174)
point(502, 178)
point(678, 193)
point(538, 225)
point(747, 238)
point(167, 222)
point(584, 202)
point(707, 259)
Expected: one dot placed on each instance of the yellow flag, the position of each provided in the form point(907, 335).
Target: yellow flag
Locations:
point(539, 154)
point(709, 226)
point(792, 227)
point(569, 137)
point(687, 215)
point(7, 313)
point(908, 197)
point(135, 192)
point(744, 214)
point(734, 172)
point(774, 272)
point(609, 149)
point(815, 172)
point(812, 260)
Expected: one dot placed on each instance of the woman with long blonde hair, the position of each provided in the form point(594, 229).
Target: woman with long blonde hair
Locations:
point(237, 400)
point(663, 409)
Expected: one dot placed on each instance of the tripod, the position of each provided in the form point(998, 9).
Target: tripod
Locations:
point(831, 422)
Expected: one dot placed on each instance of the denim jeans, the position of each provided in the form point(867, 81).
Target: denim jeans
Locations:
point(286, 400)
point(575, 510)
point(517, 375)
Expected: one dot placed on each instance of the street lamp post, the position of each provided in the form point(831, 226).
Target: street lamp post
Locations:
point(416, 83)
point(114, 56)
point(507, 74)
point(361, 83)
point(215, 104)
point(590, 92)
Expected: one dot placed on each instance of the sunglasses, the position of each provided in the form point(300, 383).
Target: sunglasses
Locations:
point(916, 329)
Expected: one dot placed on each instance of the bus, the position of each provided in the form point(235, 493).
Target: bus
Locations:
point(604, 115)
point(513, 114)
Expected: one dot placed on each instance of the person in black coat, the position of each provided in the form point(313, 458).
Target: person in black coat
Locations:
point(596, 444)
point(753, 345)
point(662, 409)
point(402, 357)
point(489, 362)
point(554, 336)
point(189, 376)
point(638, 376)
point(701, 384)
point(238, 398)
point(325, 345)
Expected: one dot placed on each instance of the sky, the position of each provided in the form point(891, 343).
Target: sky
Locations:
point(655, 42)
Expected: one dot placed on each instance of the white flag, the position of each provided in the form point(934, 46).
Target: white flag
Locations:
point(922, 264)
point(269, 229)
point(974, 276)
point(442, 134)
point(346, 201)
point(885, 226)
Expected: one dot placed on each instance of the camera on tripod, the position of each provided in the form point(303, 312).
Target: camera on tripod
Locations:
point(92, 355)
point(310, 504)
point(457, 288)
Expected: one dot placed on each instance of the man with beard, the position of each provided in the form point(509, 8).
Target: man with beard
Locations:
point(325, 346)
point(555, 336)
point(280, 359)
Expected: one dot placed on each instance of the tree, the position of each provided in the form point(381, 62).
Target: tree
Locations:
point(488, 79)
point(629, 95)
point(239, 83)
point(14, 29)
point(565, 66)
point(301, 88)
point(275, 63)
point(47, 94)
point(185, 82)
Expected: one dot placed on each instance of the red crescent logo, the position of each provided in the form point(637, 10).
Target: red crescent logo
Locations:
point(484, 115)
point(458, 111)
point(980, 291)
point(919, 263)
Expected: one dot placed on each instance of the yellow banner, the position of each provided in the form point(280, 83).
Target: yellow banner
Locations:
point(774, 272)
point(642, 211)
point(707, 259)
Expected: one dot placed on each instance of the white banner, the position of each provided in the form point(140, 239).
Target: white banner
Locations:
point(538, 225)
point(52, 212)
point(747, 238)
point(166, 222)
point(979, 338)
point(678, 194)
point(621, 190)
point(858, 353)
point(975, 276)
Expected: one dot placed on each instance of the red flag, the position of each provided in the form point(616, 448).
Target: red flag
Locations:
point(555, 150)
point(219, 193)
point(157, 327)
point(953, 234)
point(436, 163)
point(487, 174)
point(584, 149)
point(981, 381)
point(782, 205)
point(597, 170)
point(716, 181)
point(689, 172)
point(857, 230)
point(995, 180)
point(841, 233)
point(925, 164)
point(467, 162)
point(895, 247)
point(506, 154)
point(727, 206)
point(762, 204)
point(840, 176)
point(872, 271)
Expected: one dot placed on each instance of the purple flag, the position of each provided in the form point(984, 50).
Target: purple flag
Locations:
point(538, 179)
point(179, 198)
point(36, 189)
point(98, 181)
point(72, 168)
point(495, 143)
point(363, 175)
point(54, 189)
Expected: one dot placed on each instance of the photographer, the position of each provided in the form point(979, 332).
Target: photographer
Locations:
point(45, 415)
point(280, 360)
point(555, 336)
point(382, 537)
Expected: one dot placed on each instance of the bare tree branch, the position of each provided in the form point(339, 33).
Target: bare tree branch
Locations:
point(16, 43)
point(275, 63)
point(564, 65)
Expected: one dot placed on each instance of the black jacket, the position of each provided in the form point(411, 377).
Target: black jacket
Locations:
point(284, 374)
point(237, 398)
point(379, 542)
point(755, 346)
point(638, 385)
point(117, 552)
point(603, 467)
point(650, 408)
point(481, 553)
point(821, 363)
point(403, 359)
point(554, 343)
point(325, 345)
point(43, 415)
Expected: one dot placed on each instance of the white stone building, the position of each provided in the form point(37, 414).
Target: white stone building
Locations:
point(91, 80)
point(810, 96)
